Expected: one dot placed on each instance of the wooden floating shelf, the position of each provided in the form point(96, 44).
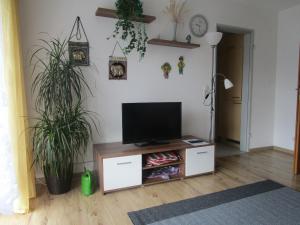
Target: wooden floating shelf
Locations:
point(110, 13)
point(163, 165)
point(173, 43)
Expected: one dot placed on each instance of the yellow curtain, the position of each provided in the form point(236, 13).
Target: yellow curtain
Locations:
point(14, 76)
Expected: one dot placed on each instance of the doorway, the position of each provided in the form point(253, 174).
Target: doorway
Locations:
point(232, 108)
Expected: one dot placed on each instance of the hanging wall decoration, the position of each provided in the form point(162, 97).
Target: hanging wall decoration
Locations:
point(166, 68)
point(181, 65)
point(79, 51)
point(117, 65)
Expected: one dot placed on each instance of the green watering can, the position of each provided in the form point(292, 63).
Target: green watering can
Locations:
point(86, 183)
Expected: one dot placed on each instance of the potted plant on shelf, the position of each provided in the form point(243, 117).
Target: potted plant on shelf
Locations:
point(175, 10)
point(64, 127)
point(133, 32)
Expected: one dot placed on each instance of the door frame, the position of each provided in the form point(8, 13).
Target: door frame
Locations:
point(247, 81)
point(297, 130)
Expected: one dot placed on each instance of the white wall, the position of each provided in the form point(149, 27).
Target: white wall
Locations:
point(287, 77)
point(145, 80)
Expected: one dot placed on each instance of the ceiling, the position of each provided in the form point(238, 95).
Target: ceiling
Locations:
point(276, 5)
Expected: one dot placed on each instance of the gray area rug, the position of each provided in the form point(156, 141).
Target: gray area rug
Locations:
point(262, 203)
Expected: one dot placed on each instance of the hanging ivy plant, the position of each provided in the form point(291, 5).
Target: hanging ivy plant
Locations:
point(133, 32)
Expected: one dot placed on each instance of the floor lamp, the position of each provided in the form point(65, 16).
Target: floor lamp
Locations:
point(213, 39)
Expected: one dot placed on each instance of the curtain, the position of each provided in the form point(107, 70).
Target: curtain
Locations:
point(19, 142)
point(8, 184)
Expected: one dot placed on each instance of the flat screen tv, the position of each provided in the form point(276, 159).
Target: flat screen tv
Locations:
point(151, 123)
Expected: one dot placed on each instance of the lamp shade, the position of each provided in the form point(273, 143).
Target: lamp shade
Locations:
point(227, 84)
point(213, 38)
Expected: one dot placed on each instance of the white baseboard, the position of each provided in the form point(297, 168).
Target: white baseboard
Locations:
point(274, 148)
point(284, 150)
point(261, 149)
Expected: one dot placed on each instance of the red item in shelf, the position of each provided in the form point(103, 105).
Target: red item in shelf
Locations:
point(156, 159)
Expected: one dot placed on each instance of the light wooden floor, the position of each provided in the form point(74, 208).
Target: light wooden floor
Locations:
point(111, 209)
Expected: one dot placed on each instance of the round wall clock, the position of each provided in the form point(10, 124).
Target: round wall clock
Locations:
point(198, 25)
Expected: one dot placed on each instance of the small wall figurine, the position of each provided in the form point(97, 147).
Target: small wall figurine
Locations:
point(188, 39)
point(166, 68)
point(181, 65)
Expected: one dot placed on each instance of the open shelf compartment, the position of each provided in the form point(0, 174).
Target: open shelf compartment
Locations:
point(179, 164)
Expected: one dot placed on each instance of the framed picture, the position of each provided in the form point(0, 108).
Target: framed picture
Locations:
point(79, 53)
point(117, 68)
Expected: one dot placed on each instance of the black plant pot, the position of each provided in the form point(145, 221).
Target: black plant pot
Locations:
point(59, 185)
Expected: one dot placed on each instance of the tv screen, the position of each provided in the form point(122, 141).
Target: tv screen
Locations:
point(147, 122)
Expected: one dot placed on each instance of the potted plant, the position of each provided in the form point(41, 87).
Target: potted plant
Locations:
point(133, 32)
point(63, 129)
point(175, 10)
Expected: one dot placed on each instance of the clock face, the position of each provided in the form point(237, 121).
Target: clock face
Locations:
point(198, 25)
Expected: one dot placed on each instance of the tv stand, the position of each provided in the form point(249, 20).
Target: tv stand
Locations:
point(152, 143)
point(122, 166)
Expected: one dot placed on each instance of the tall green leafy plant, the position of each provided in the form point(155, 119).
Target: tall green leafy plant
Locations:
point(64, 127)
point(133, 32)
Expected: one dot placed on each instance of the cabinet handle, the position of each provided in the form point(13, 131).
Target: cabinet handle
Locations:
point(237, 103)
point(124, 163)
point(200, 153)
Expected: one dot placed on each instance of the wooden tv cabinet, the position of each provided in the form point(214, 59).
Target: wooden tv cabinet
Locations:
point(121, 166)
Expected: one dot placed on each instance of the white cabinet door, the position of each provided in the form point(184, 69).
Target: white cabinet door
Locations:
point(122, 172)
point(199, 160)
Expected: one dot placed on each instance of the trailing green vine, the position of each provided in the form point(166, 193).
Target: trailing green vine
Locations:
point(133, 32)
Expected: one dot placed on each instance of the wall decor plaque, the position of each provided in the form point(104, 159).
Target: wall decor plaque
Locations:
point(117, 68)
point(78, 50)
point(117, 65)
